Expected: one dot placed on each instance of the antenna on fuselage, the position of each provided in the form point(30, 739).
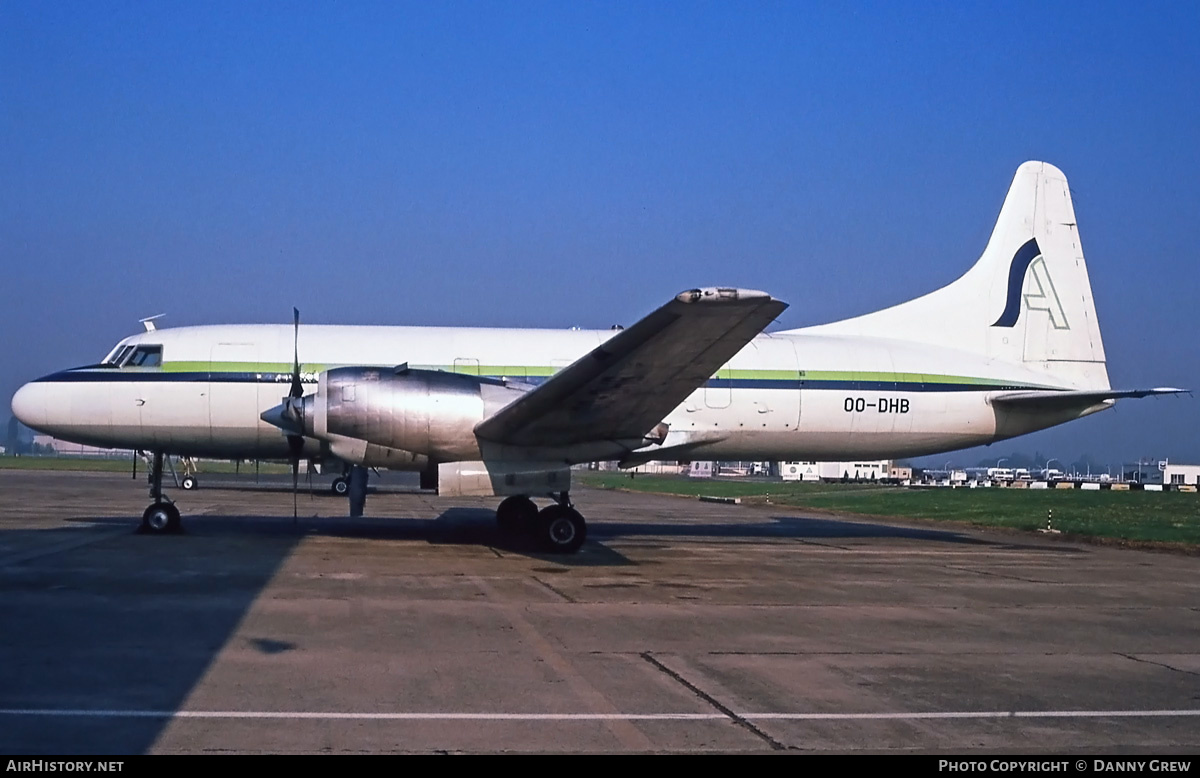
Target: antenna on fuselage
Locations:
point(148, 322)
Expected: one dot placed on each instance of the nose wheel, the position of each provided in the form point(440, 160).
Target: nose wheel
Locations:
point(162, 517)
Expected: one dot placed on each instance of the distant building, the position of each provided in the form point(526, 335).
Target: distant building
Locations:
point(656, 467)
point(741, 468)
point(64, 448)
point(1144, 471)
point(800, 471)
point(859, 470)
point(1180, 475)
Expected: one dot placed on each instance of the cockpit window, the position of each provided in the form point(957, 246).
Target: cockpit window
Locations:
point(118, 355)
point(144, 356)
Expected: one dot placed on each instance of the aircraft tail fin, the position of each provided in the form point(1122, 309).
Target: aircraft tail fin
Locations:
point(1027, 300)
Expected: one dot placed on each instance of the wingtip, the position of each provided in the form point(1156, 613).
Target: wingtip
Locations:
point(720, 294)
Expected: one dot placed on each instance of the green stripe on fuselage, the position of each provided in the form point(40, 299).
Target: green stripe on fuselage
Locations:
point(535, 371)
point(240, 367)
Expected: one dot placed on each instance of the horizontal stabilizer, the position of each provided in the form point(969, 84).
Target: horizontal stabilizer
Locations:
point(1053, 400)
point(621, 389)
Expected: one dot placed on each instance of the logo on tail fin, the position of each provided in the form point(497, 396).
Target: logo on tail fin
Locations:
point(1042, 297)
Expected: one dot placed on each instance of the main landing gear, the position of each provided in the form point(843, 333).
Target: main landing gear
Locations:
point(188, 482)
point(557, 529)
point(162, 517)
point(352, 483)
point(341, 485)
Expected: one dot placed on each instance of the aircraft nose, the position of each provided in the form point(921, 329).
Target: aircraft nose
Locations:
point(29, 405)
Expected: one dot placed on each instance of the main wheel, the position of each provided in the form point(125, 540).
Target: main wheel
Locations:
point(516, 515)
point(561, 530)
point(340, 486)
point(161, 518)
point(188, 482)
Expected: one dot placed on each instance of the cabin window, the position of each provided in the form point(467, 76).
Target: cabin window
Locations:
point(145, 356)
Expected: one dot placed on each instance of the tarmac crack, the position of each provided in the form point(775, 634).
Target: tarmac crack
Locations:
point(999, 575)
point(565, 597)
point(714, 702)
point(624, 731)
point(807, 542)
point(1164, 665)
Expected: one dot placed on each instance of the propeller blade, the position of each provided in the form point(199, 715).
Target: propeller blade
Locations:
point(295, 448)
point(293, 414)
point(295, 486)
point(297, 389)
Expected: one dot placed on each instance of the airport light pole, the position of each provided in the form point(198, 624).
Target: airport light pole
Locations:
point(1046, 472)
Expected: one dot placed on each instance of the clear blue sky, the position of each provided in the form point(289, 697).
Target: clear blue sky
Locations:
point(557, 164)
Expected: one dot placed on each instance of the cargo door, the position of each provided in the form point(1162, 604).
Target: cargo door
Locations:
point(234, 378)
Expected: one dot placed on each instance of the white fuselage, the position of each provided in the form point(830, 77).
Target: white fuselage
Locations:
point(793, 396)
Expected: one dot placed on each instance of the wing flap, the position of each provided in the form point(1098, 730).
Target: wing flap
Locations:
point(623, 388)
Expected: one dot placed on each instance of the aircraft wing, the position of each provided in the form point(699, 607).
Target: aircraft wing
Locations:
point(1054, 400)
point(622, 389)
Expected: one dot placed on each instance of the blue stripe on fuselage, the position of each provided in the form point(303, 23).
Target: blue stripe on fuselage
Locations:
point(125, 376)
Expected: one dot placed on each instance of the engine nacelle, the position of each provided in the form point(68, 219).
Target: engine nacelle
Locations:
point(360, 452)
point(426, 412)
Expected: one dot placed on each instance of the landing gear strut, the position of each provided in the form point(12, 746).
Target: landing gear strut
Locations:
point(162, 517)
point(357, 490)
point(352, 483)
point(557, 529)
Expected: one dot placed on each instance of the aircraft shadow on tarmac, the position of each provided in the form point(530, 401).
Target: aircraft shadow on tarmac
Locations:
point(307, 491)
point(477, 527)
point(108, 620)
point(454, 526)
point(100, 620)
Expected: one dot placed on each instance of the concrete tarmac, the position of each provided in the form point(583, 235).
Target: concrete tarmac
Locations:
point(680, 627)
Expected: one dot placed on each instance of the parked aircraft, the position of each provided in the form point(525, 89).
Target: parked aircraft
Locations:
point(1011, 347)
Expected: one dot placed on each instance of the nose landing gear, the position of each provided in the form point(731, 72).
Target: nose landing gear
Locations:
point(162, 517)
